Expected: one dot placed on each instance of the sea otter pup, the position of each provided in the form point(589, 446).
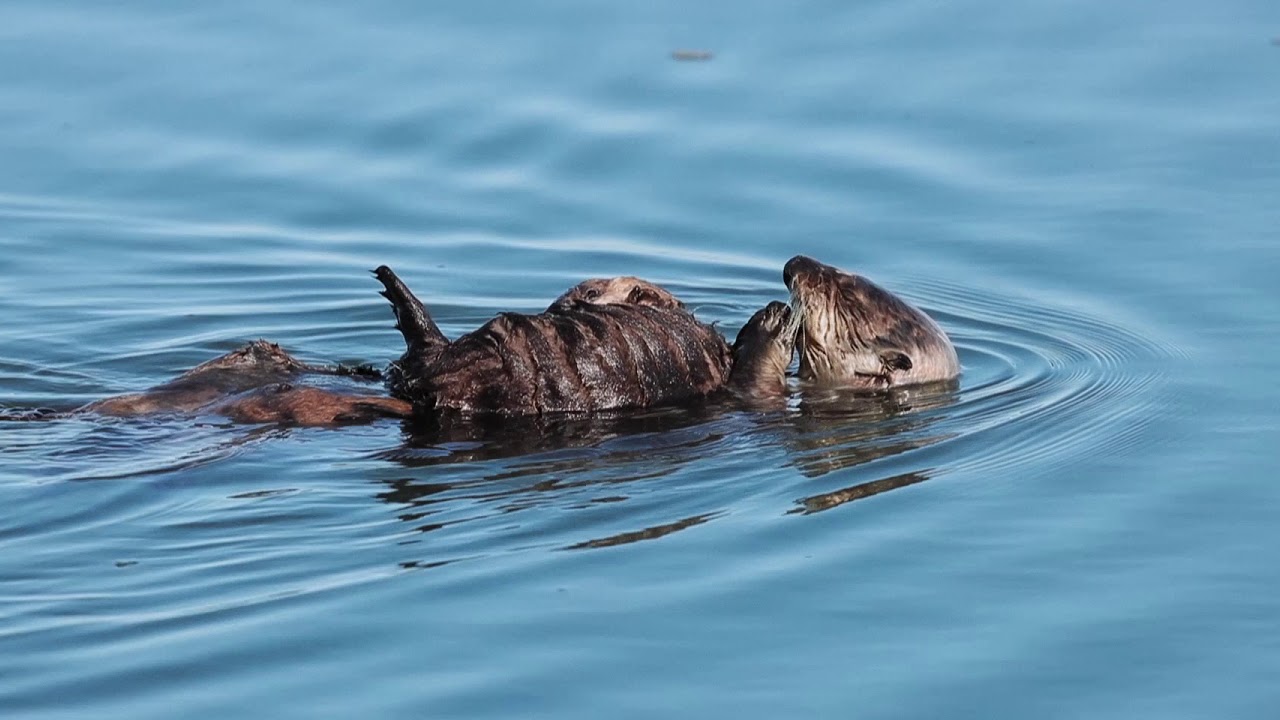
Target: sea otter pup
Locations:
point(760, 354)
point(580, 355)
point(853, 333)
point(251, 384)
point(624, 290)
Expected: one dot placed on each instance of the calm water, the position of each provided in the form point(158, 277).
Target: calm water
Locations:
point(1085, 194)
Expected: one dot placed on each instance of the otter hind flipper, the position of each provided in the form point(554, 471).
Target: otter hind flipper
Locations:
point(412, 319)
point(367, 412)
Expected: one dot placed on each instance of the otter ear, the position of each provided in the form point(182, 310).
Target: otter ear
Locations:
point(895, 360)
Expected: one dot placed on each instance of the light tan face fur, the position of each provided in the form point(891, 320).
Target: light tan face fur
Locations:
point(625, 290)
point(854, 333)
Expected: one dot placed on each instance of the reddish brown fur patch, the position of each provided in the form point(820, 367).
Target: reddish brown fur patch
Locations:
point(301, 405)
point(245, 385)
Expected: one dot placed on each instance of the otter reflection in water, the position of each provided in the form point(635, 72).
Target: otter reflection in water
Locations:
point(596, 464)
point(838, 428)
point(820, 435)
point(839, 431)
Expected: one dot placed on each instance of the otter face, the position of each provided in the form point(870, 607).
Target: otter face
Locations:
point(853, 333)
point(624, 290)
point(762, 352)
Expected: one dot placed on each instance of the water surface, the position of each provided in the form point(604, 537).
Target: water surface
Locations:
point(1082, 193)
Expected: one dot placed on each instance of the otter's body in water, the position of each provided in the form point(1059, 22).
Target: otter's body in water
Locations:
point(254, 384)
point(582, 354)
point(853, 333)
point(606, 343)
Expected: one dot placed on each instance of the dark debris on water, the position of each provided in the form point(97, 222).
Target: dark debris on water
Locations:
point(691, 55)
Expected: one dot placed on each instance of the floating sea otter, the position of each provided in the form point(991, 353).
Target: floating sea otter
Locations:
point(853, 333)
point(606, 343)
point(254, 384)
point(584, 353)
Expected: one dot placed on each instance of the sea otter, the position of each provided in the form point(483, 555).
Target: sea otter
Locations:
point(622, 290)
point(254, 384)
point(580, 355)
point(853, 333)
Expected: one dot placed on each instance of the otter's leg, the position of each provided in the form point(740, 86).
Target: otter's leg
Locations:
point(309, 406)
point(412, 320)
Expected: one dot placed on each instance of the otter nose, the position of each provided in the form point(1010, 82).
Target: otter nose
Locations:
point(797, 265)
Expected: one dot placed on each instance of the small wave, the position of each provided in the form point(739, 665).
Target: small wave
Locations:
point(1046, 384)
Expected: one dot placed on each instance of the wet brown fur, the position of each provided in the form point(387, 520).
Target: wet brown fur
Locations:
point(853, 333)
point(761, 353)
point(577, 356)
point(249, 385)
point(623, 290)
point(308, 406)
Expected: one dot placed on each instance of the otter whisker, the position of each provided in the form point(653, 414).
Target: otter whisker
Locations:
point(791, 330)
point(796, 321)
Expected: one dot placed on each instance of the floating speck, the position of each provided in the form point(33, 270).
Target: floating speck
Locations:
point(691, 55)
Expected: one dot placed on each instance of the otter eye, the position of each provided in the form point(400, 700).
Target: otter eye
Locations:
point(895, 360)
point(591, 294)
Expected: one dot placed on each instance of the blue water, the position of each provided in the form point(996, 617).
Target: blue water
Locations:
point(1084, 194)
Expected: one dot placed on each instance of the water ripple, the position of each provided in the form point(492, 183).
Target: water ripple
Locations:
point(1046, 384)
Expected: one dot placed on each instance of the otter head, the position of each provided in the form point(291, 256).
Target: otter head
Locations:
point(258, 356)
point(762, 352)
point(625, 290)
point(853, 333)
